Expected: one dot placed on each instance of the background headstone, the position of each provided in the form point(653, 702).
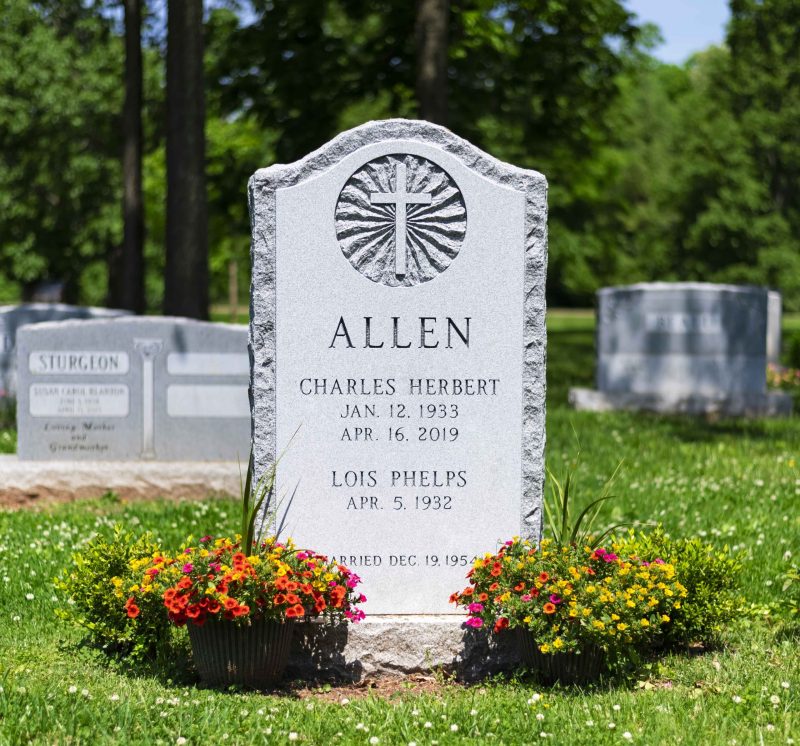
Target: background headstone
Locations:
point(774, 331)
point(398, 320)
point(14, 317)
point(133, 388)
point(684, 347)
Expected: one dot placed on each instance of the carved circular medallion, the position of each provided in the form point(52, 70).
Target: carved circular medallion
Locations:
point(400, 220)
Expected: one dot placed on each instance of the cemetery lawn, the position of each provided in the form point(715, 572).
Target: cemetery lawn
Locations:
point(732, 482)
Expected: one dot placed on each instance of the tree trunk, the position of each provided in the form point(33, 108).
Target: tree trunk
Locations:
point(433, 17)
point(186, 272)
point(126, 264)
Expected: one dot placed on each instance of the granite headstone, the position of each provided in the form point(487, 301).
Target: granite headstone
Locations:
point(152, 388)
point(685, 346)
point(14, 317)
point(774, 331)
point(398, 328)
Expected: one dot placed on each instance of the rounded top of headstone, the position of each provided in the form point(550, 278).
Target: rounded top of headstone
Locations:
point(137, 321)
point(661, 287)
point(401, 129)
point(56, 308)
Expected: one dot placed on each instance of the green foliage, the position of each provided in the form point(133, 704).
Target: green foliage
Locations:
point(567, 528)
point(96, 587)
point(791, 595)
point(710, 575)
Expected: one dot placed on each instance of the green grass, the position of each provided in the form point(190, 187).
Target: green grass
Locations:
point(733, 482)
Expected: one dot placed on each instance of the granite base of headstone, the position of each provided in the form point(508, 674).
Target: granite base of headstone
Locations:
point(398, 338)
point(683, 348)
point(133, 389)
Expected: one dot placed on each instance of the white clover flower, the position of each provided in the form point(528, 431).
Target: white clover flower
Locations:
point(454, 728)
point(345, 701)
point(293, 736)
point(775, 699)
point(72, 689)
point(616, 708)
point(180, 741)
point(737, 699)
point(589, 723)
point(374, 739)
point(627, 735)
point(361, 726)
point(611, 726)
point(427, 724)
point(412, 743)
point(85, 692)
point(540, 716)
point(473, 712)
point(114, 697)
point(29, 596)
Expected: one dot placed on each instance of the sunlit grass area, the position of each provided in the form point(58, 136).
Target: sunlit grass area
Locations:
point(735, 483)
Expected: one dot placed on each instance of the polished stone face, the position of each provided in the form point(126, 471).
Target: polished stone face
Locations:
point(13, 318)
point(398, 355)
point(133, 388)
point(682, 339)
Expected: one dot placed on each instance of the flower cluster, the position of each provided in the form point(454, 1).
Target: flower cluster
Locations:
point(571, 597)
point(215, 579)
point(783, 378)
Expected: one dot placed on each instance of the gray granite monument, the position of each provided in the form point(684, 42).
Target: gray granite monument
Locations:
point(774, 330)
point(697, 348)
point(14, 317)
point(398, 328)
point(131, 388)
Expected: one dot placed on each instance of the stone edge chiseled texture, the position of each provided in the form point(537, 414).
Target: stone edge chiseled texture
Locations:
point(261, 192)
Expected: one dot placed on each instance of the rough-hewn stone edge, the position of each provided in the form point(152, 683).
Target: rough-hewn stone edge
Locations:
point(261, 191)
point(397, 646)
point(771, 404)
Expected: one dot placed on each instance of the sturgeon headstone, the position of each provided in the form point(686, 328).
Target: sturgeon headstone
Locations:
point(14, 317)
point(398, 341)
point(684, 347)
point(149, 388)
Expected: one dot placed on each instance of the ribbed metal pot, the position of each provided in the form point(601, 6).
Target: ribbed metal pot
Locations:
point(573, 667)
point(253, 655)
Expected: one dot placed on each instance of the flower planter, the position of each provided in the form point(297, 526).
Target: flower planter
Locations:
point(573, 667)
point(253, 655)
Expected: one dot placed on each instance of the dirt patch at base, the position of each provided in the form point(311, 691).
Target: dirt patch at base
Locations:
point(384, 687)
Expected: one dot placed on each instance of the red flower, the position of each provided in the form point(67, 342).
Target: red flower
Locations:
point(231, 604)
point(500, 624)
point(279, 599)
point(320, 605)
point(132, 608)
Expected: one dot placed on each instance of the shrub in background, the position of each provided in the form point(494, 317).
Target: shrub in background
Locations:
point(710, 575)
point(95, 589)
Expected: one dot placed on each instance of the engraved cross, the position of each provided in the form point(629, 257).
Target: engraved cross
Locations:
point(400, 199)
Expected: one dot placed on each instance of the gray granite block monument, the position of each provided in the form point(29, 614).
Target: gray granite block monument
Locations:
point(398, 328)
point(685, 347)
point(13, 318)
point(133, 388)
point(774, 330)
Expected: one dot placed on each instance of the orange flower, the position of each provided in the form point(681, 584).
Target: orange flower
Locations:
point(549, 608)
point(494, 586)
point(519, 587)
point(184, 583)
point(241, 610)
point(496, 570)
point(131, 608)
point(468, 591)
point(320, 605)
point(483, 597)
point(291, 598)
point(231, 604)
point(299, 610)
point(543, 577)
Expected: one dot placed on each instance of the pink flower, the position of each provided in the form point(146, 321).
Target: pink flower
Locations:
point(204, 539)
point(475, 622)
point(302, 555)
point(555, 599)
point(475, 608)
point(188, 567)
point(353, 580)
point(526, 597)
point(658, 561)
point(362, 598)
point(355, 616)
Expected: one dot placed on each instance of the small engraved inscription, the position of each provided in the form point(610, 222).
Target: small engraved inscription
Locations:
point(401, 220)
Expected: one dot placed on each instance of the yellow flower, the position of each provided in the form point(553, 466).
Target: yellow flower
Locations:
point(630, 604)
point(597, 624)
point(527, 620)
point(622, 626)
point(664, 618)
point(544, 647)
point(614, 617)
point(558, 643)
point(644, 622)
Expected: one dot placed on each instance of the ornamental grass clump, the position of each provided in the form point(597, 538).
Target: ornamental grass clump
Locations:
point(216, 580)
point(572, 598)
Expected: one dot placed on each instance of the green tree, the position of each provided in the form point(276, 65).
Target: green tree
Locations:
point(60, 101)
